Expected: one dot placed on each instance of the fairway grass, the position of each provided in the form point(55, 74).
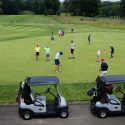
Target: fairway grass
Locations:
point(18, 40)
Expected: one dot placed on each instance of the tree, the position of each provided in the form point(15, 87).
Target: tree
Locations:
point(46, 7)
point(1, 10)
point(110, 9)
point(92, 7)
point(122, 8)
point(12, 6)
point(29, 5)
point(81, 7)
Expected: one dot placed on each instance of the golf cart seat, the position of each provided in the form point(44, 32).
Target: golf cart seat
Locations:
point(25, 94)
point(38, 100)
point(113, 100)
point(32, 95)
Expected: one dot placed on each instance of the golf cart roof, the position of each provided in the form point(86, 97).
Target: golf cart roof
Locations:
point(42, 80)
point(111, 79)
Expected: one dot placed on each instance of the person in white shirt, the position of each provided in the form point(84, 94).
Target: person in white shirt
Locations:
point(57, 62)
point(59, 33)
point(72, 49)
point(98, 55)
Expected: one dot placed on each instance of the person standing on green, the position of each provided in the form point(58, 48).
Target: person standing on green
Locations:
point(37, 50)
point(47, 52)
point(89, 38)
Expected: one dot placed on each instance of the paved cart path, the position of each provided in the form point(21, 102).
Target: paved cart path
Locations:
point(79, 115)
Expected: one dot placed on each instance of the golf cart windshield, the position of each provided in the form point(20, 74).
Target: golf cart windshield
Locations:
point(45, 81)
point(42, 80)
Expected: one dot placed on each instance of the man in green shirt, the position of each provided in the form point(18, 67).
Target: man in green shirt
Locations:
point(47, 52)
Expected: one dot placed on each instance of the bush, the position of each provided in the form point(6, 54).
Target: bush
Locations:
point(1, 11)
point(27, 13)
point(58, 13)
point(50, 12)
point(45, 12)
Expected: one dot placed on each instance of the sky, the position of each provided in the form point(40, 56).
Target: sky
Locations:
point(101, 0)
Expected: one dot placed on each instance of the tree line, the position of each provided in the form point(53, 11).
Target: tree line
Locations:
point(88, 8)
point(15, 7)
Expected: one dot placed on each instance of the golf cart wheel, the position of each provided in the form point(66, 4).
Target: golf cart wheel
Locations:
point(64, 113)
point(102, 114)
point(27, 115)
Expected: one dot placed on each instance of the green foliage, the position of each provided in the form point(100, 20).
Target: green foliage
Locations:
point(29, 5)
point(27, 13)
point(90, 8)
point(46, 7)
point(81, 7)
point(1, 10)
point(109, 9)
point(12, 6)
point(122, 7)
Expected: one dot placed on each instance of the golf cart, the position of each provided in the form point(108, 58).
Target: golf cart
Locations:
point(33, 104)
point(104, 102)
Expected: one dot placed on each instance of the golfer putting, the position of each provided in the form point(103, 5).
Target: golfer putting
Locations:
point(57, 61)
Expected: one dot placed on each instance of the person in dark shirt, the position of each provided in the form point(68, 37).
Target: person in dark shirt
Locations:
point(112, 51)
point(104, 67)
point(52, 38)
point(72, 30)
point(89, 38)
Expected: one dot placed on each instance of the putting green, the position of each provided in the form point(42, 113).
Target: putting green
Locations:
point(18, 39)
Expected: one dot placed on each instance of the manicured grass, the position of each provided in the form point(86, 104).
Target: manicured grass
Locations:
point(72, 92)
point(17, 55)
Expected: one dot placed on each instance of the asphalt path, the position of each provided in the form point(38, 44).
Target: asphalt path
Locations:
point(79, 115)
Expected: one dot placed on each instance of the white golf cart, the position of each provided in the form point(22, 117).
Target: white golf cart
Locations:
point(34, 104)
point(104, 102)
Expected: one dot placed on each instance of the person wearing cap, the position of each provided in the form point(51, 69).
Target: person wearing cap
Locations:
point(104, 67)
point(57, 62)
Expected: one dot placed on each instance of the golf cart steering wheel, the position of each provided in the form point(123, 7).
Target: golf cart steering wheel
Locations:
point(46, 91)
point(118, 89)
point(37, 94)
